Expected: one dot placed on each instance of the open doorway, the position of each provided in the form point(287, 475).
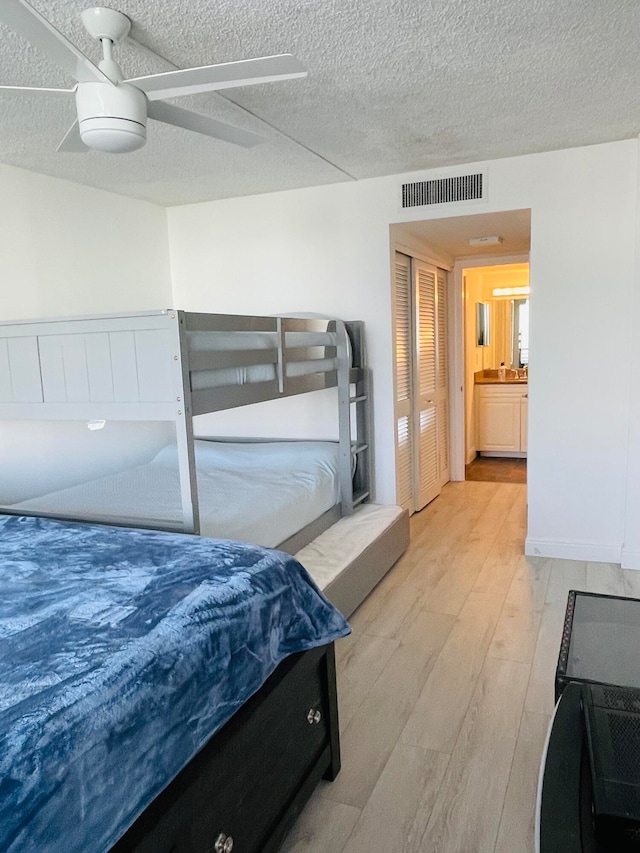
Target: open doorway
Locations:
point(496, 355)
point(455, 245)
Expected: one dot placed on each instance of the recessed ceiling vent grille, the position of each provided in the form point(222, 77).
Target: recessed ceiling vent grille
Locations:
point(442, 190)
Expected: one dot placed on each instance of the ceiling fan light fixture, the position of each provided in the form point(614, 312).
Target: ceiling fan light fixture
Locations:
point(113, 135)
point(111, 118)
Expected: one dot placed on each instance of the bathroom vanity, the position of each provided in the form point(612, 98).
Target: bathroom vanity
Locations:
point(501, 406)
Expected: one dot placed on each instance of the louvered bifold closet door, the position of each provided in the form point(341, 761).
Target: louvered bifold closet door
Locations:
point(425, 383)
point(442, 396)
point(403, 380)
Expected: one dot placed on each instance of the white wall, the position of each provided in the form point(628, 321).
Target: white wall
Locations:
point(631, 544)
point(322, 250)
point(68, 249)
point(582, 278)
point(327, 250)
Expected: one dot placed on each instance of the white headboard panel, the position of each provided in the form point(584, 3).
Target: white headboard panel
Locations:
point(100, 367)
point(20, 370)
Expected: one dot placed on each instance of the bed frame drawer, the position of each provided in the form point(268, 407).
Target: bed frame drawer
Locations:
point(252, 779)
point(265, 761)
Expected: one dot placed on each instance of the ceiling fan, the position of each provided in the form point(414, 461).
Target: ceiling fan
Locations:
point(112, 112)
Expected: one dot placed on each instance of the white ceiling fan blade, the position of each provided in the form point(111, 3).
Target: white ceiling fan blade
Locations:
point(37, 89)
point(26, 21)
point(71, 142)
point(246, 72)
point(202, 124)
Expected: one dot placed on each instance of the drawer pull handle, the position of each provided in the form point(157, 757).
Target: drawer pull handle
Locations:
point(224, 844)
point(313, 716)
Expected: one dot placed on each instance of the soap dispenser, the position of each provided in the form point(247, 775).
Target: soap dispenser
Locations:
point(502, 372)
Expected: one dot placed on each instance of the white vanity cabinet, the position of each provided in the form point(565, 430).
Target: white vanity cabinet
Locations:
point(501, 418)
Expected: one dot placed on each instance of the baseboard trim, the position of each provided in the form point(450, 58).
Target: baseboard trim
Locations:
point(630, 559)
point(503, 454)
point(564, 549)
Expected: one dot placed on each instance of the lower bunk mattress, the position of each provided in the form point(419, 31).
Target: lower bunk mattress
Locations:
point(258, 492)
point(121, 652)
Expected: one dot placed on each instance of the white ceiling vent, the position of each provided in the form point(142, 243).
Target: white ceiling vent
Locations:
point(444, 190)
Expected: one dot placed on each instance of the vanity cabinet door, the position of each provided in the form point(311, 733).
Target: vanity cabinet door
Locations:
point(501, 418)
point(499, 422)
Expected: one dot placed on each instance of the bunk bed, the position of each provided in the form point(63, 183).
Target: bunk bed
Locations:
point(169, 367)
point(158, 371)
point(154, 372)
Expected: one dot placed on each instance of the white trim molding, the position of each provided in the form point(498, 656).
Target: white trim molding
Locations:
point(565, 549)
point(458, 450)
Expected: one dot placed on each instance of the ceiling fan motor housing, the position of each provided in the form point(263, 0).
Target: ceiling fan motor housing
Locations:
point(112, 118)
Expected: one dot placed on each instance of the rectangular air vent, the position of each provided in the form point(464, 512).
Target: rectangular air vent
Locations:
point(442, 190)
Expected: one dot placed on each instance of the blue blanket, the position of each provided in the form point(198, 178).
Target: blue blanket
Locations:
point(121, 652)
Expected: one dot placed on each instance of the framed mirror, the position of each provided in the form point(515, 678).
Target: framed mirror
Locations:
point(519, 333)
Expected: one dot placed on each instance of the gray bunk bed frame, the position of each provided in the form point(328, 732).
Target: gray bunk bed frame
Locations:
point(144, 366)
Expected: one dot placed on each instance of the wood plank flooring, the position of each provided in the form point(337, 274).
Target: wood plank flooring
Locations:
point(497, 469)
point(446, 686)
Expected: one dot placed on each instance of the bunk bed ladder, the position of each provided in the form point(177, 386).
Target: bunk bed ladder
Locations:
point(184, 436)
point(355, 422)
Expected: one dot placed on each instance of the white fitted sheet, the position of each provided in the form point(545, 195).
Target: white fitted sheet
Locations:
point(256, 492)
point(329, 554)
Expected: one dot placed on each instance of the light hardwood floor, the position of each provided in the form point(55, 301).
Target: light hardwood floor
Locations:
point(446, 686)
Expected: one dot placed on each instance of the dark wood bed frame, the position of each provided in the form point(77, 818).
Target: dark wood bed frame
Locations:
point(245, 788)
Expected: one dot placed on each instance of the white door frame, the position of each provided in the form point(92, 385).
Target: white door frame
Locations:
point(456, 351)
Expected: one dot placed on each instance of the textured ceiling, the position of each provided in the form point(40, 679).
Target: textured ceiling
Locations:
point(393, 86)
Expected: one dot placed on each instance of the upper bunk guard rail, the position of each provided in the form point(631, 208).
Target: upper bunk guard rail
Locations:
point(170, 365)
point(259, 358)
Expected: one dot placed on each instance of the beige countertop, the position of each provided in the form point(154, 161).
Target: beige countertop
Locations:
point(488, 380)
point(490, 377)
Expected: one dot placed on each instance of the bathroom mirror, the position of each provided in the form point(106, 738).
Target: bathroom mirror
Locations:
point(482, 324)
point(519, 333)
point(509, 340)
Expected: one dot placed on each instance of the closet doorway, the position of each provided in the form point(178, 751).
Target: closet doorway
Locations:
point(421, 380)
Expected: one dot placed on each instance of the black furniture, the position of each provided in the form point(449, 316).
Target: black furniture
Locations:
point(589, 792)
point(564, 798)
point(244, 790)
point(589, 799)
